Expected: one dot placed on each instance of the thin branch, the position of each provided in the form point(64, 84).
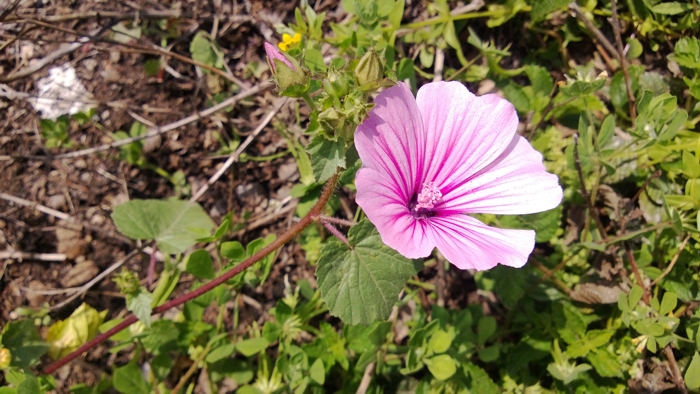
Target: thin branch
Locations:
point(584, 192)
point(578, 13)
point(366, 378)
point(677, 377)
point(153, 131)
point(138, 14)
point(283, 239)
point(84, 288)
point(237, 153)
point(637, 275)
point(673, 262)
point(16, 255)
point(38, 207)
point(623, 61)
point(549, 274)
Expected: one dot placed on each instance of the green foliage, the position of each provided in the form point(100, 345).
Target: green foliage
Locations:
point(361, 281)
point(55, 132)
point(174, 225)
point(604, 293)
point(23, 343)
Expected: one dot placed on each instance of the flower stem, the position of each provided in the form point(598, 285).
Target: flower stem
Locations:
point(309, 101)
point(331, 229)
point(283, 239)
point(341, 222)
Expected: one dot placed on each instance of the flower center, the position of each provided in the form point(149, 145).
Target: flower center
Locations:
point(422, 204)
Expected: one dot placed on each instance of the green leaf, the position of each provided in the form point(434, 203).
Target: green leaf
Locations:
point(541, 8)
point(635, 296)
point(318, 372)
point(671, 8)
point(233, 251)
point(361, 283)
point(607, 130)
point(220, 353)
point(691, 167)
point(203, 52)
point(440, 341)
point(140, 303)
point(485, 328)
point(442, 367)
point(481, 382)
point(541, 81)
point(174, 224)
point(692, 373)
point(30, 385)
point(605, 363)
point(249, 347)
point(314, 60)
point(326, 156)
point(668, 303)
point(129, 380)
point(200, 265)
point(23, 341)
point(489, 354)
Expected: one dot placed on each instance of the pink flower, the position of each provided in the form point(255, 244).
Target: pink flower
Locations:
point(274, 54)
point(428, 162)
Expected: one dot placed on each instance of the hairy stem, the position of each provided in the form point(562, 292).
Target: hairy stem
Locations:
point(283, 239)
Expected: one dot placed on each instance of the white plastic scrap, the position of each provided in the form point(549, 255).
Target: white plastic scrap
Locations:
point(61, 92)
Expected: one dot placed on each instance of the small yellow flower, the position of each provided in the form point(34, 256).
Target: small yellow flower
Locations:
point(288, 40)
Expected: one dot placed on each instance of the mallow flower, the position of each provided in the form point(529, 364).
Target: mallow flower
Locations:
point(431, 161)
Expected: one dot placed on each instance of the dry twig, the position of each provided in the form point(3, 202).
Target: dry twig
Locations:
point(236, 154)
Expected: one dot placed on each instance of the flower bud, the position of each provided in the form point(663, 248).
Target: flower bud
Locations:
point(291, 78)
point(337, 84)
point(369, 69)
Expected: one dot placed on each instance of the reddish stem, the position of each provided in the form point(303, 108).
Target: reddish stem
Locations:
point(283, 239)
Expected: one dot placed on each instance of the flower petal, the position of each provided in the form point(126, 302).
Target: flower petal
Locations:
point(468, 243)
point(464, 133)
point(391, 140)
point(515, 183)
point(379, 198)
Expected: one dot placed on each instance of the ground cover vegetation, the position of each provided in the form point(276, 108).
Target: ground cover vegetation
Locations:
point(186, 197)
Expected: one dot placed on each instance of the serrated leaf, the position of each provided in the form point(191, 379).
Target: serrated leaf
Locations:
point(481, 382)
point(129, 380)
point(140, 303)
point(199, 264)
point(23, 341)
point(326, 156)
point(361, 283)
point(174, 224)
point(605, 363)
